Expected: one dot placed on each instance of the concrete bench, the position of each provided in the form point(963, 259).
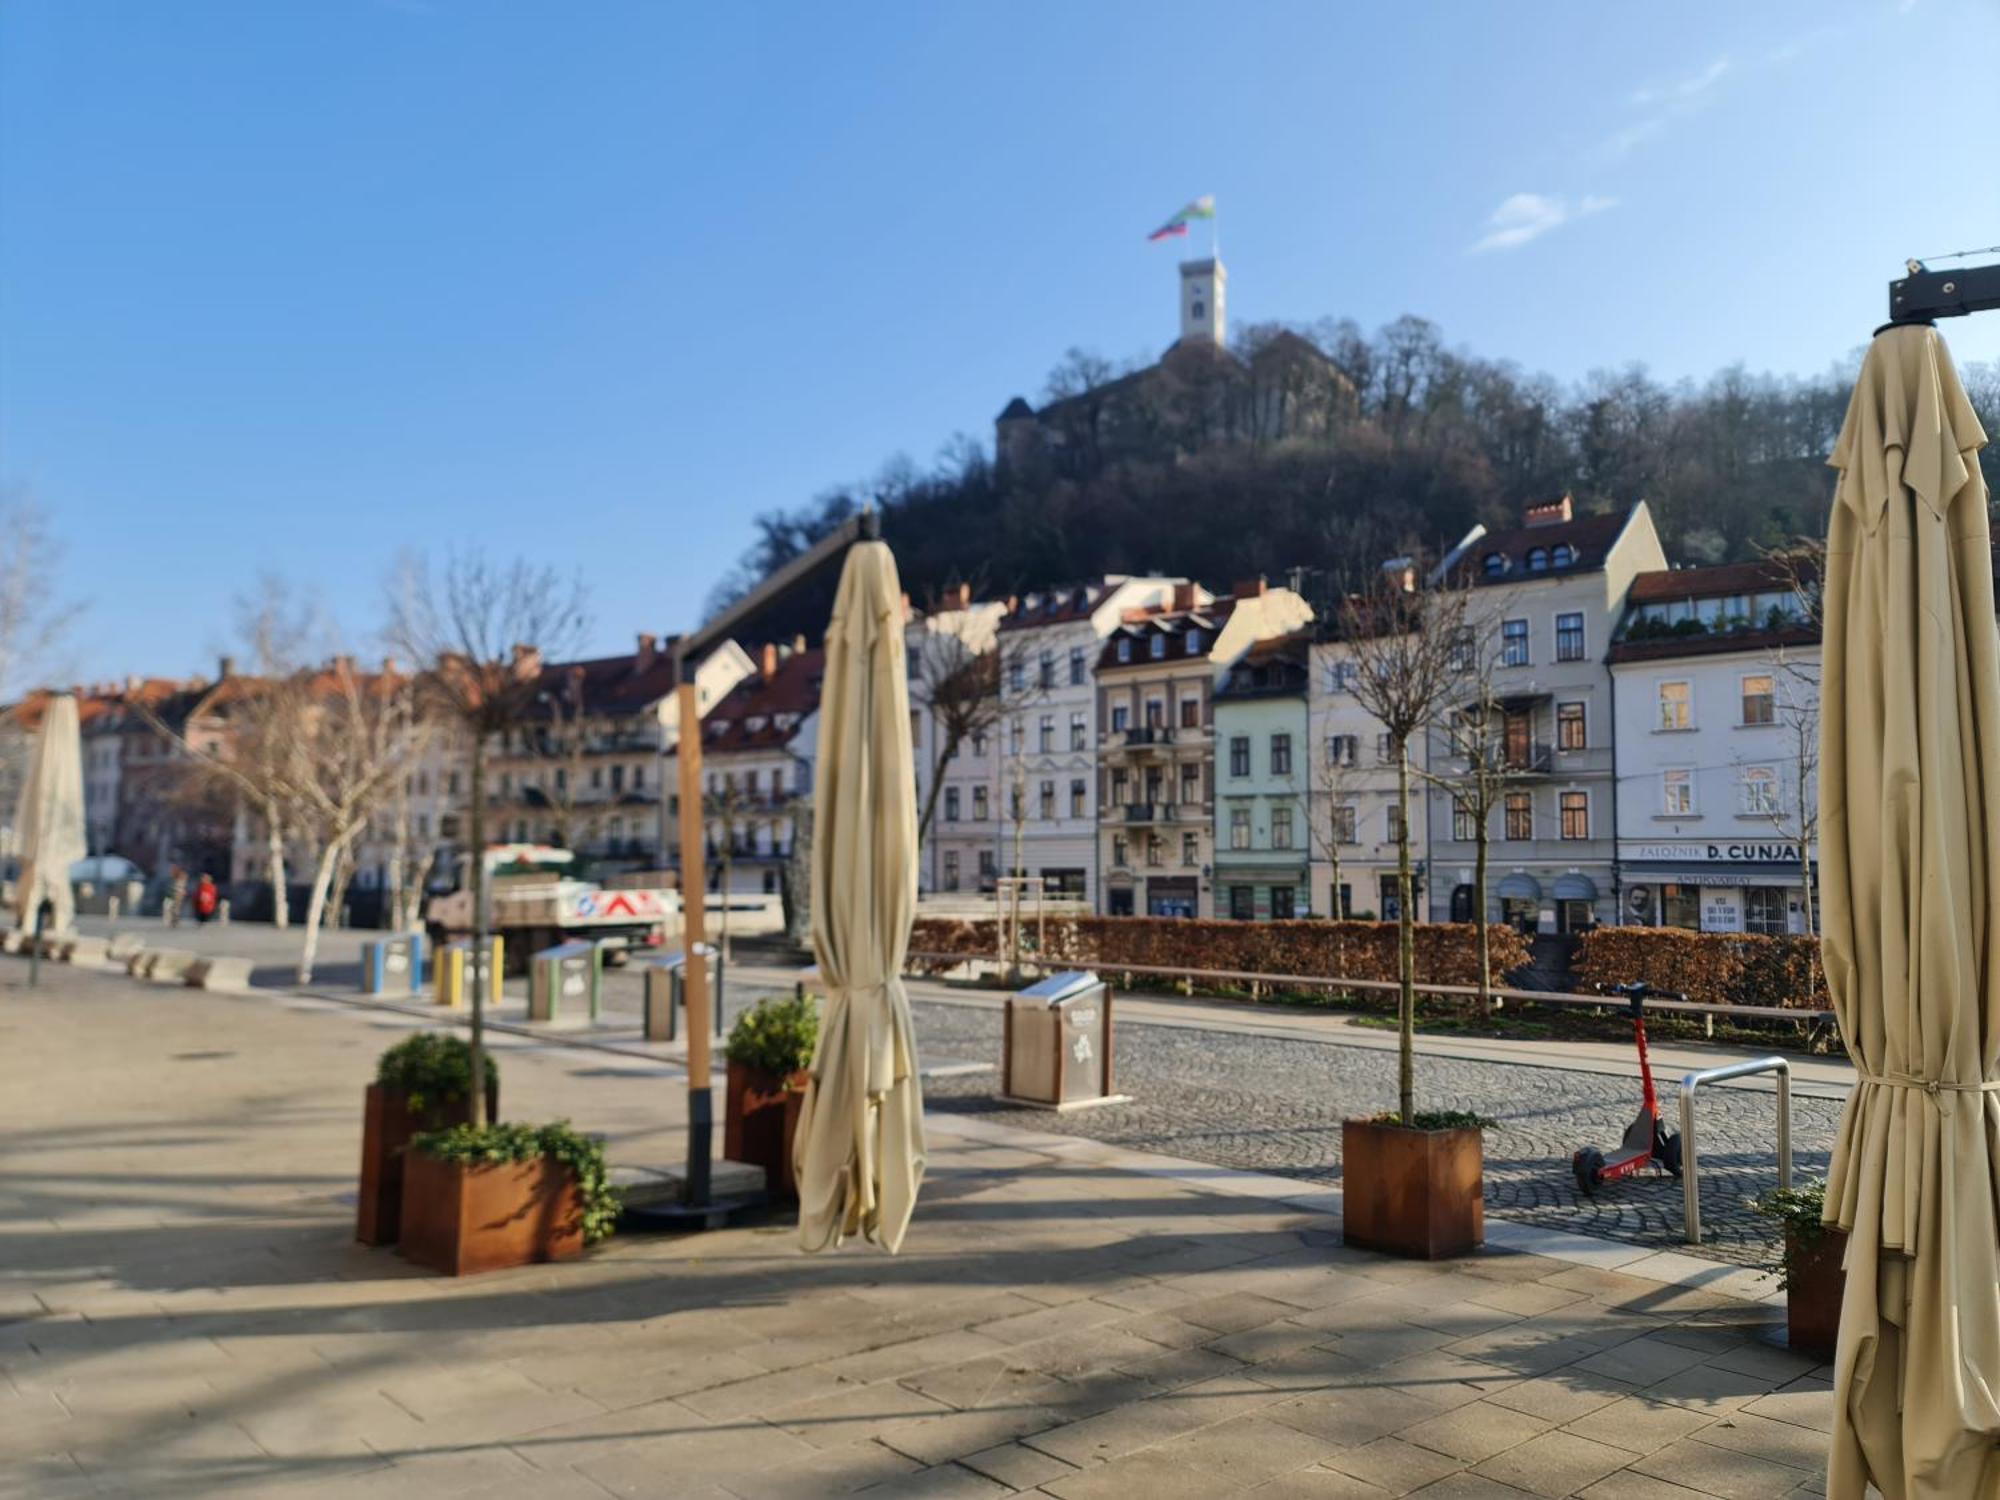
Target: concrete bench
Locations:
point(121, 946)
point(221, 972)
point(87, 953)
point(13, 940)
point(163, 965)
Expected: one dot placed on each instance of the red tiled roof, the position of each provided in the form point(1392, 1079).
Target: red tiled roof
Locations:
point(1762, 575)
point(1588, 537)
point(792, 691)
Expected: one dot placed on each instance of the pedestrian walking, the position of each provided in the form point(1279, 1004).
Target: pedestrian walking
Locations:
point(170, 905)
point(206, 898)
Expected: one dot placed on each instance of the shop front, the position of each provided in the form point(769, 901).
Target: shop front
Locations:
point(1745, 886)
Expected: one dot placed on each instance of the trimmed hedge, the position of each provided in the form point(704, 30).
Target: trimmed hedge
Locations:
point(1447, 952)
point(1715, 968)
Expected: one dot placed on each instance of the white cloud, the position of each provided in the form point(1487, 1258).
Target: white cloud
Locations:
point(1528, 216)
point(1686, 89)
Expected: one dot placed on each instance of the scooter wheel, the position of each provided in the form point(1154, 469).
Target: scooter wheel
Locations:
point(1589, 1167)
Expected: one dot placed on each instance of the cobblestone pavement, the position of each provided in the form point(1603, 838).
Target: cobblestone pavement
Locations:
point(1274, 1104)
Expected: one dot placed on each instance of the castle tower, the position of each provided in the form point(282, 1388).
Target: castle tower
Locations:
point(1204, 283)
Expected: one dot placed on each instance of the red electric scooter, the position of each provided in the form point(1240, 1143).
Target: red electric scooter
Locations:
point(1647, 1139)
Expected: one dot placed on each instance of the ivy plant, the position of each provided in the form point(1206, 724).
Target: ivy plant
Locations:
point(776, 1036)
point(499, 1145)
point(431, 1068)
point(1439, 1119)
point(1797, 1211)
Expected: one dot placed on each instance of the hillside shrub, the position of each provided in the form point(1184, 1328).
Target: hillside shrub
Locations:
point(1715, 968)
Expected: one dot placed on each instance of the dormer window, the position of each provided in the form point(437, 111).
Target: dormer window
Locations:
point(1125, 649)
point(1194, 643)
point(1565, 554)
point(1538, 560)
point(1159, 648)
point(1495, 564)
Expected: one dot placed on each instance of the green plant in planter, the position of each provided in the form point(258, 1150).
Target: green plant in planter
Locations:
point(1797, 1211)
point(498, 1145)
point(776, 1036)
point(432, 1067)
point(1438, 1119)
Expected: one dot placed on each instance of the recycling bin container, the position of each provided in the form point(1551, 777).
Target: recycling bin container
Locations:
point(566, 973)
point(1056, 1048)
point(453, 972)
point(393, 965)
point(666, 992)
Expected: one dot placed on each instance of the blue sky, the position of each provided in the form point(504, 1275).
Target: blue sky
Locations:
point(295, 286)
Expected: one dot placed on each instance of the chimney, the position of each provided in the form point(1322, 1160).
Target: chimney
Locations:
point(390, 666)
point(1250, 588)
point(649, 650)
point(1553, 514)
point(527, 661)
point(965, 596)
point(344, 665)
point(1184, 596)
point(225, 667)
point(769, 665)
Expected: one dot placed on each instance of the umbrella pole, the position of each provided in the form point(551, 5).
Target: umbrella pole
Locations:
point(35, 945)
point(694, 895)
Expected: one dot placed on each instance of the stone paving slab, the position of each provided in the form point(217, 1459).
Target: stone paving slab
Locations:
point(183, 1313)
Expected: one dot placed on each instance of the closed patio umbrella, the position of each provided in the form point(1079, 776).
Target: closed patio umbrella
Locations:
point(48, 819)
point(1910, 868)
point(860, 1144)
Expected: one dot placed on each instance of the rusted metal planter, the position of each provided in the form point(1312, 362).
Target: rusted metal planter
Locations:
point(387, 1124)
point(1814, 1288)
point(760, 1119)
point(1412, 1192)
point(464, 1217)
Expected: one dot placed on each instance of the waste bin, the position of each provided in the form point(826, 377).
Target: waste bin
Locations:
point(1056, 1049)
point(566, 972)
point(452, 977)
point(393, 965)
point(666, 992)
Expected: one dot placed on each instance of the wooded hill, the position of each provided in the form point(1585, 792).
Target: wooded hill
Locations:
point(1399, 447)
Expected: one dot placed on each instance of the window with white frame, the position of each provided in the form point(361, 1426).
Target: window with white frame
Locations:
point(1676, 705)
point(1574, 808)
point(1049, 800)
point(1570, 734)
point(1758, 792)
point(1677, 793)
point(1343, 823)
point(1464, 826)
point(1514, 643)
point(1393, 823)
point(979, 803)
point(1120, 850)
point(1121, 718)
point(1281, 828)
point(1239, 828)
point(1341, 676)
point(1079, 670)
point(1343, 749)
point(1045, 739)
point(951, 804)
point(1519, 820)
point(1569, 636)
point(1190, 848)
point(1078, 795)
point(1281, 755)
point(1077, 730)
point(1760, 699)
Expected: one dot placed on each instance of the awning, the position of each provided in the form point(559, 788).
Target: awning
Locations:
point(1520, 888)
point(1575, 888)
point(1721, 872)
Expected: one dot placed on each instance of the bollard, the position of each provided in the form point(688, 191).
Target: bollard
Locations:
point(111, 907)
point(222, 912)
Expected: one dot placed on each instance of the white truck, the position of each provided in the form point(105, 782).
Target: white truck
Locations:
point(535, 903)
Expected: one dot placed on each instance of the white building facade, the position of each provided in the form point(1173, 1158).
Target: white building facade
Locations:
point(1716, 673)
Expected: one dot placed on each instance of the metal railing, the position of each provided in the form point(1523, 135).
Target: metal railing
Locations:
point(1690, 1161)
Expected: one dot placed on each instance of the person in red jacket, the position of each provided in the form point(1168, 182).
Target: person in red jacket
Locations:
point(206, 896)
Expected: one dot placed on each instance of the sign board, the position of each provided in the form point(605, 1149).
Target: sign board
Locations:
point(619, 906)
point(1721, 909)
point(1772, 851)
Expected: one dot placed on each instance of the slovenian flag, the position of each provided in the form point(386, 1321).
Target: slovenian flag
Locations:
point(1202, 208)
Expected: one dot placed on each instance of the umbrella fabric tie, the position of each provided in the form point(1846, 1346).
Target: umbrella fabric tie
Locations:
point(1935, 1087)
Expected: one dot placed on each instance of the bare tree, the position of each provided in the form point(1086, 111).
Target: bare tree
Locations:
point(563, 736)
point(1479, 766)
point(1407, 644)
point(359, 736)
point(33, 618)
point(478, 631)
point(1334, 780)
point(955, 677)
point(724, 806)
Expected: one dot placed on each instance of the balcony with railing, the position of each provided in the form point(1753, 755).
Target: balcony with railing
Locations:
point(1529, 759)
point(1161, 812)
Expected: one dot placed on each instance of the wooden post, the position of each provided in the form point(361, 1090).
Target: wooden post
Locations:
point(694, 894)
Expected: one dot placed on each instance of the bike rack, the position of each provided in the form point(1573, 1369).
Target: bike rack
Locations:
point(1690, 1179)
